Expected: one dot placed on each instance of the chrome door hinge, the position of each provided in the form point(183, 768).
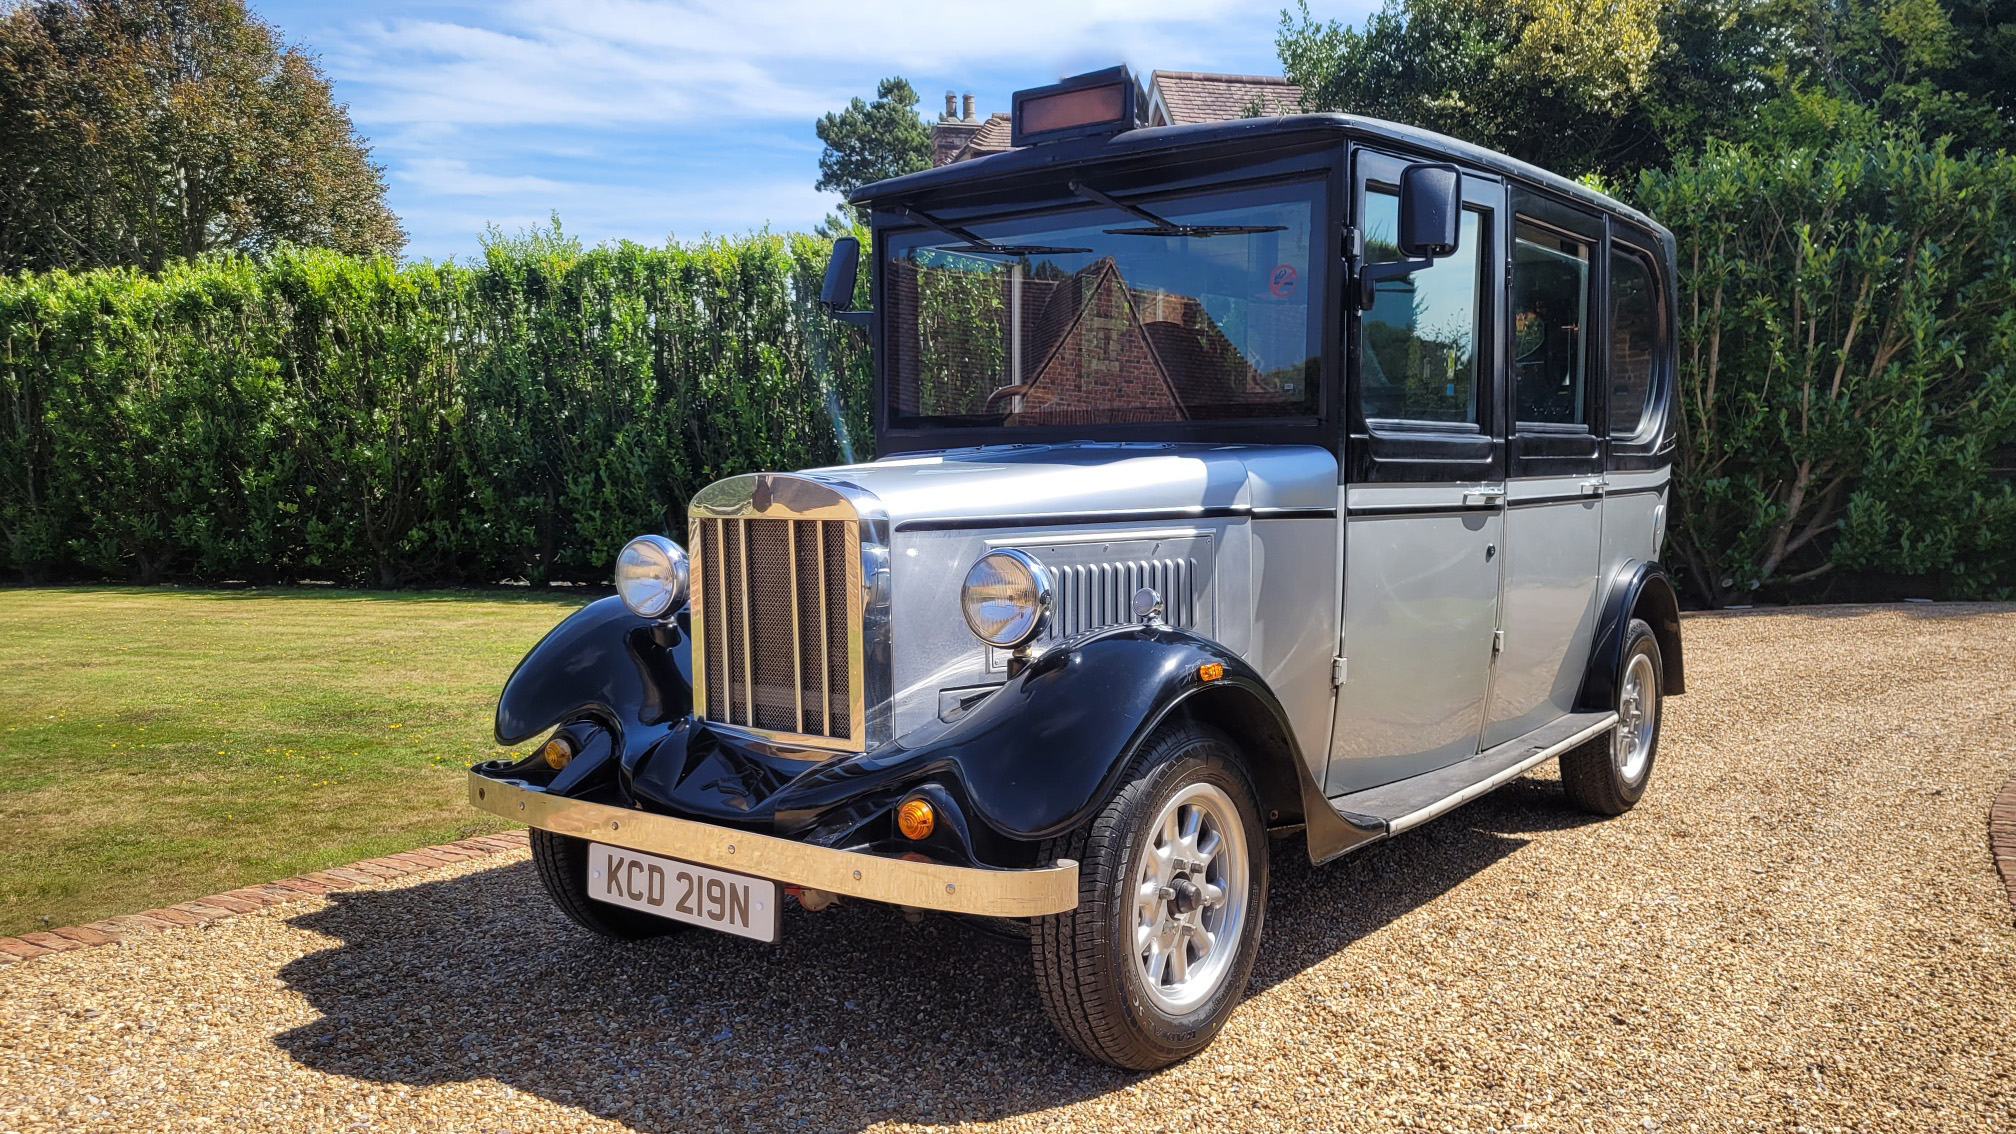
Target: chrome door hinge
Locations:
point(1338, 667)
point(1497, 642)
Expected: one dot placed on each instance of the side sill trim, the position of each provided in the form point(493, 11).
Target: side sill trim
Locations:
point(924, 885)
point(1451, 802)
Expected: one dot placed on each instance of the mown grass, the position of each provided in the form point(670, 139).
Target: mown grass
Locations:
point(158, 745)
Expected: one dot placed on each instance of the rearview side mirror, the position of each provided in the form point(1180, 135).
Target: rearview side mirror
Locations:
point(1431, 202)
point(1431, 207)
point(836, 294)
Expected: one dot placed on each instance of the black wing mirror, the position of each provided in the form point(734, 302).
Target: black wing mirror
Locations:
point(836, 295)
point(1431, 206)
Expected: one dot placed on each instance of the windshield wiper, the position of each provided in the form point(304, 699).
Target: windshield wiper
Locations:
point(1161, 227)
point(980, 244)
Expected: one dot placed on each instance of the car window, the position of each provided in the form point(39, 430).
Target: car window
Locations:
point(1550, 325)
point(1418, 342)
point(1634, 340)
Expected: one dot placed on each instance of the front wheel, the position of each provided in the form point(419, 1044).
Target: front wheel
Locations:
point(562, 864)
point(1608, 778)
point(1172, 888)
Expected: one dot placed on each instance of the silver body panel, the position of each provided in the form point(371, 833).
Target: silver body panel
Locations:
point(1250, 529)
point(1552, 547)
point(1420, 603)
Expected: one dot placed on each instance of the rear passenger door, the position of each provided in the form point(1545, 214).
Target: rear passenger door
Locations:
point(1554, 485)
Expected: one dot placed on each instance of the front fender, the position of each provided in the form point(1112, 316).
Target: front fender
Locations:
point(1036, 757)
point(632, 675)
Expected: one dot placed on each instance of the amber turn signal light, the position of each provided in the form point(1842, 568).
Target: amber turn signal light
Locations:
point(916, 819)
point(556, 753)
point(1210, 671)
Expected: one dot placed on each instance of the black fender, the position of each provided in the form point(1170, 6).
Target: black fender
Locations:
point(629, 674)
point(1639, 590)
point(1037, 757)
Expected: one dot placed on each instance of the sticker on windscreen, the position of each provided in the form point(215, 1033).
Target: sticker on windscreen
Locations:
point(1282, 281)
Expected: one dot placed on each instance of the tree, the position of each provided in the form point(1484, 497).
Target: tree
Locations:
point(869, 141)
point(1551, 81)
point(1591, 86)
point(141, 131)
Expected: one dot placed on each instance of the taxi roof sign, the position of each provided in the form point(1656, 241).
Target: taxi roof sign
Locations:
point(1082, 106)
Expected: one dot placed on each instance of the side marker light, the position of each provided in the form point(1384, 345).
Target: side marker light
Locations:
point(556, 753)
point(915, 819)
point(1210, 671)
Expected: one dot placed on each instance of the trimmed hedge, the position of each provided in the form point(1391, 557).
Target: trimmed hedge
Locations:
point(328, 417)
point(1847, 331)
point(1847, 370)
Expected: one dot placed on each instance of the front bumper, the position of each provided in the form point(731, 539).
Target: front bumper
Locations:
point(902, 882)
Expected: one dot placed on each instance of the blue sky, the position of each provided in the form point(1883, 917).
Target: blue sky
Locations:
point(643, 119)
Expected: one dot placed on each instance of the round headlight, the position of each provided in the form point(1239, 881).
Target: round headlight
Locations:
point(1006, 597)
point(651, 576)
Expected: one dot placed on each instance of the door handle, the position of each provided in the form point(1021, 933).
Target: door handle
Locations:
point(1595, 487)
point(1483, 495)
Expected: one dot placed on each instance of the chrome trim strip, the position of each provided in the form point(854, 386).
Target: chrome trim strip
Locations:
point(797, 635)
point(923, 885)
point(1428, 509)
point(1063, 519)
point(1449, 803)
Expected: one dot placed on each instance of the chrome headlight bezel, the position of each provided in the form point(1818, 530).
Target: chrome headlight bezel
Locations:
point(652, 576)
point(1006, 577)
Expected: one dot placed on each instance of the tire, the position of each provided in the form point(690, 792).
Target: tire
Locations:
point(1096, 987)
point(1607, 776)
point(562, 863)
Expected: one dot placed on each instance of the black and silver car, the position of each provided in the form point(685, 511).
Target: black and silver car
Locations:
point(1267, 484)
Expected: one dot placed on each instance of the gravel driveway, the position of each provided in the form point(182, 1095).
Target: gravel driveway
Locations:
point(1800, 928)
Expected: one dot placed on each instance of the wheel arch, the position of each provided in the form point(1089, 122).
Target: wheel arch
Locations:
point(1261, 736)
point(1641, 589)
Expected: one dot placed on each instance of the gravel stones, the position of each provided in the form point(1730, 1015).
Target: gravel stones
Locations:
point(1799, 928)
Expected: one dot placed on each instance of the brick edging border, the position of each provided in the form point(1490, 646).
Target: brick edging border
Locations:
point(301, 887)
point(2002, 836)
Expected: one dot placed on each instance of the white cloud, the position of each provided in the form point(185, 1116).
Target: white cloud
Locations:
point(674, 62)
point(636, 118)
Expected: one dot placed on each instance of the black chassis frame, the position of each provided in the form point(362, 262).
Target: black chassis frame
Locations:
point(1035, 759)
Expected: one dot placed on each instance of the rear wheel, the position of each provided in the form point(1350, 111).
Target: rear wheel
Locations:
point(1172, 887)
point(1608, 778)
point(562, 863)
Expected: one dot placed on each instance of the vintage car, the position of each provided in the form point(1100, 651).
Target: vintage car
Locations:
point(1282, 478)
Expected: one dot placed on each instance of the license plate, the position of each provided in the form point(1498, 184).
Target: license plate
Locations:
point(680, 891)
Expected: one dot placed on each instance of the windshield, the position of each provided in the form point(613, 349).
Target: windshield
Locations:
point(1095, 317)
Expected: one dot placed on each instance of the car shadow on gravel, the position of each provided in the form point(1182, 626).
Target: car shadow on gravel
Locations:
point(855, 1017)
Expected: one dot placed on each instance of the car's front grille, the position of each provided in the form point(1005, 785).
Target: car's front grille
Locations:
point(776, 614)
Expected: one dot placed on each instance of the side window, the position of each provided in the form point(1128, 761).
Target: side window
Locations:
point(1634, 340)
point(1550, 325)
point(1418, 351)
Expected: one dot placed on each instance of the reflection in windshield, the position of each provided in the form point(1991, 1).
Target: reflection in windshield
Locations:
point(1142, 326)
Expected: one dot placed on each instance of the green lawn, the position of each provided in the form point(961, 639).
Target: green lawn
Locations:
point(158, 745)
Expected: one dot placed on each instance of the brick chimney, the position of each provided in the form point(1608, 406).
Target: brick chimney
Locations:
point(951, 106)
point(968, 116)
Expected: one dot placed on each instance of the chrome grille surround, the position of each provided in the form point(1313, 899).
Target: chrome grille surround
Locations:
point(789, 612)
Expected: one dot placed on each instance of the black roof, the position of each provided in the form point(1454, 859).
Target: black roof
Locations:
point(1160, 139)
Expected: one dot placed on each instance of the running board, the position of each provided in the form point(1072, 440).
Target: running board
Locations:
point(1408, 803)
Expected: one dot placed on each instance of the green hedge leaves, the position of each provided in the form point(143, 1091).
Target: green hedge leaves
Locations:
point(1847, 327)
point(317, 416)
point(1847, 368)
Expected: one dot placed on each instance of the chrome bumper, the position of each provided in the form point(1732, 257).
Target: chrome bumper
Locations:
point(923, 885)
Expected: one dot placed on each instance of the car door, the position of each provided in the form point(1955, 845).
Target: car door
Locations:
point(1423, 494)
point(1554, 485)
